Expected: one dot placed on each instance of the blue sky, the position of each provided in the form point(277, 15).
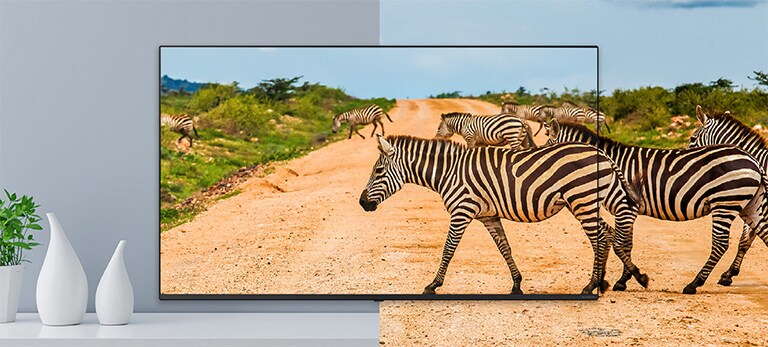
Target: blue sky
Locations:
point(391, 72)
point(642, 42)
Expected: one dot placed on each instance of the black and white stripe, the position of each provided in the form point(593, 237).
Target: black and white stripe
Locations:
point(361, 116)
point(180, 123)
point(490, 183)
point(527, 112)
point(725, 129)
point(576, 114)
point(684, 184)
point(490, 130)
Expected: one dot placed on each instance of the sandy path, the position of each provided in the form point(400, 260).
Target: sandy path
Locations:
point(300, 230)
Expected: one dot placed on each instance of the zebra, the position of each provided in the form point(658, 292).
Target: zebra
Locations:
point(495, 130)
point(180, 123)
point(490, 183)
point(576, 114)
point(360, 116)
point(725, 129)
point(527, 112)
point(681, 185)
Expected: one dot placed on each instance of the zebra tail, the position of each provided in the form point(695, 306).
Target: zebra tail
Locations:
point(390, 119)
point(606, 126)
point(194, 129)
point(631, 189)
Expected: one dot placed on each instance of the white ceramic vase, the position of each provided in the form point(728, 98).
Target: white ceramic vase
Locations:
point(62, 288)
point(114, 295)
point(10, 288)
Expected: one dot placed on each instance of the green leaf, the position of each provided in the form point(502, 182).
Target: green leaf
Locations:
point(35, 227)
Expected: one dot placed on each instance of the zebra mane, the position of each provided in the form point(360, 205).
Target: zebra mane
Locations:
point(591, 135)
point(405, 140)
point(454, 114)
point(728, 118)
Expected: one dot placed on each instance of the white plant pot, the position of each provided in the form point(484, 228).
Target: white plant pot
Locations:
point(62, 288)
point(10, 288)
point(114, 295)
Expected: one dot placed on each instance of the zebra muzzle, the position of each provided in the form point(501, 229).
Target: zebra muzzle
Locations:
point(366, 204)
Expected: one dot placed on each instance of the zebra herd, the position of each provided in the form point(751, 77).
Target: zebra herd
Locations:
point(567, 111)
point(721, 173)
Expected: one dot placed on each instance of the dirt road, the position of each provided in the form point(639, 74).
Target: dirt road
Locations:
point(299, 229)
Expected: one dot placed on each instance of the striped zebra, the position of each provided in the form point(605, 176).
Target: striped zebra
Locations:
point(495, 130)
point(490, 183)
point(180, 123)
point(360, 116)
point(725, 129)
point(576, 114)
point(681, 185)
point(527, 112)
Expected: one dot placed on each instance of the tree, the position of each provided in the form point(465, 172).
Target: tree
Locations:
point(760, 77)
point(276, 89)
point(521, 91)
point(721, 83)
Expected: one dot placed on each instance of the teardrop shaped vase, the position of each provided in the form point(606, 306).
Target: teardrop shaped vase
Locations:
point(62, 288)
point(114, 295)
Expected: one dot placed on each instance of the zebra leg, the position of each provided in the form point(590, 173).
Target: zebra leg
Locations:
point(721, 225)
point(500, 237)
point(374, 128)
point(541, 126)
point(351, 130)
point(747, 237)
point(601, 240)
point(357, 132)
point(459, 224)
point(622, 246)
point(382, 127)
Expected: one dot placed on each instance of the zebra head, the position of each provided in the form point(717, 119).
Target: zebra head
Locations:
point(336, 123)
point(386, 178)
point(443, 130)
point(704, 134)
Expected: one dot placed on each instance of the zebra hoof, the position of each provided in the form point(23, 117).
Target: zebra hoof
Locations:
point(643, 280)
point(689, 289)
point(604, 286)
point(517, 291)
point(588, 289)
point(428, 291)
point(725, 281)
point(619, 287)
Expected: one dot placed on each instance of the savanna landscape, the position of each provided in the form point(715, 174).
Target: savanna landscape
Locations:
point(265, 201)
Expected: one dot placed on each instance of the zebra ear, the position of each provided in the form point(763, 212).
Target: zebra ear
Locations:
point(384, 146)
point(442, 116)
point(554, 128)
point(701, 115)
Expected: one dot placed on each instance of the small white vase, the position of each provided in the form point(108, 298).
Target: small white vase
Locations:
point(114, 295)
point(10, 288)
point(62, 288)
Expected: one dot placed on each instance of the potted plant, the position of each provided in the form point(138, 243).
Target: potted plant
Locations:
point(17, 219)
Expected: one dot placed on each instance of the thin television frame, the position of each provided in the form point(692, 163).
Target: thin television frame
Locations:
point(360, 297)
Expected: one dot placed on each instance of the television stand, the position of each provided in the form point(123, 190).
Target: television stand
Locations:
point(201, 329)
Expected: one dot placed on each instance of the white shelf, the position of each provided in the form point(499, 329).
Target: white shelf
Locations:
point(201, 329)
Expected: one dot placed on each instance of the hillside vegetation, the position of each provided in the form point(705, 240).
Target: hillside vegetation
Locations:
point(276, 120)
point(655, 116)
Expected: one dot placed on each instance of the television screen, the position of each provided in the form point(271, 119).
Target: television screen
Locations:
point(376, 173)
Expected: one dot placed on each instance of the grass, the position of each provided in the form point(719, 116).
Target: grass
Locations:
point(244, 131)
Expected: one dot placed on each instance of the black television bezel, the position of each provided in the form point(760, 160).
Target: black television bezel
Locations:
point(356, 297)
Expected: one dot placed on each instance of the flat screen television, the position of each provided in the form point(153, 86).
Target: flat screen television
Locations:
point(276, 184)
